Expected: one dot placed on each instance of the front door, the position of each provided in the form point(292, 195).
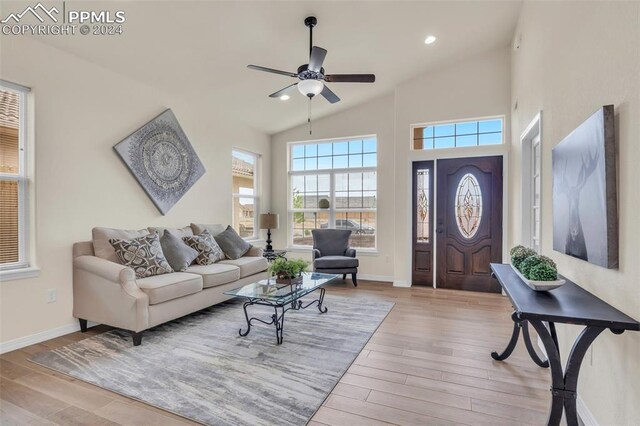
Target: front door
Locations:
point(468, 222)
point(422, 268)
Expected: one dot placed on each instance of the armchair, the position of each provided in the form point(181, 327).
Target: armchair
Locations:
point(332, 255)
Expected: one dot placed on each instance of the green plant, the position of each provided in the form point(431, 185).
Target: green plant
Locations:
point(283, 268)
point(531, 261)
point(543, 272)
point(519, 254)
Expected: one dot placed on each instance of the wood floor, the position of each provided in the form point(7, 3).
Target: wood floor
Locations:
point(427, 364)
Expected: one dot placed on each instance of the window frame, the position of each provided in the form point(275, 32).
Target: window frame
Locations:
point(458, 121)
point(256, 193)
point(332, 210)
point(23, 266)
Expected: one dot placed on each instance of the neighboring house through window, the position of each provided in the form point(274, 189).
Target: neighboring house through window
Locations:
point(244, 169)
point(14, 180)
point(333, 184)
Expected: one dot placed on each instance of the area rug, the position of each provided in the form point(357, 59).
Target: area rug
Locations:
point(198, 367)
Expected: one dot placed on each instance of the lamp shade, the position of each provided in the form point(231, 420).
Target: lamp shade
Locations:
point(310, 88)
point(268, 221)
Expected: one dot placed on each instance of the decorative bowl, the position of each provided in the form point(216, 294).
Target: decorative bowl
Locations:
point(540, 285)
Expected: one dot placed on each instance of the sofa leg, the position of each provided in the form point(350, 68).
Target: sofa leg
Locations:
point(353, 278)
point(137, 338)
point(83, 325)
point(344, 277)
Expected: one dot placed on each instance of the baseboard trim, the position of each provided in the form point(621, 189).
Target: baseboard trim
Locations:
point(368, 277)
point(401, 283)
point(43, 336)
point(584, 414)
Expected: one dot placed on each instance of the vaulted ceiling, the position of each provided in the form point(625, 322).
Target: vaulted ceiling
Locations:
point(202, 48)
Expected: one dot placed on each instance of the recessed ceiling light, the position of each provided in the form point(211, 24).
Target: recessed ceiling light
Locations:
point(284, 97)
point(430, 39)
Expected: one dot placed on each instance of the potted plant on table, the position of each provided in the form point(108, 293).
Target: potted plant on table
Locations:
point(288, 271)
point(538, 272)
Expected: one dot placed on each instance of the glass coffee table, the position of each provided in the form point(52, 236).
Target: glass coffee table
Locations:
point(282, 297)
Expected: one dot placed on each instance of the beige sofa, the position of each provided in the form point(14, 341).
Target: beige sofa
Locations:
point(109, 293)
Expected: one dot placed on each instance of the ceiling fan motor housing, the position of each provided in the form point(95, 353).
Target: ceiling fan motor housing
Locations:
point(305, 74)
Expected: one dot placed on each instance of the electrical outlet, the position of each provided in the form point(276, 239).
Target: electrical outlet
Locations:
point(52, 295)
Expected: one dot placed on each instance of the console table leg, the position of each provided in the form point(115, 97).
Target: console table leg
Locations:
point(564, 386)
point(527, 342)
point(512, 343)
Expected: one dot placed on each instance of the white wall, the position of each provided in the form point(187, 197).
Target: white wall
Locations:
point(474, 87)
point(81, 111)
point(573, 58)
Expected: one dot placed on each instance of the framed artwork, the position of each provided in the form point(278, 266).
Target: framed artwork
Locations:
point(585, 201)
point(161, 158)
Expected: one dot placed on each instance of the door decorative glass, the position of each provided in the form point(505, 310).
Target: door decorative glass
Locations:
point(422, 204)
point(468, 206)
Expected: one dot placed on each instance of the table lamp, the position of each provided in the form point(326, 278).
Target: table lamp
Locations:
point(268, 221)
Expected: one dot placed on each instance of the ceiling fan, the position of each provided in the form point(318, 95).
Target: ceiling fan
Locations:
point(312, 77)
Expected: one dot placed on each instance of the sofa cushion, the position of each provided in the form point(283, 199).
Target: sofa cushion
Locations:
point(248, 265)
point(178, 253)
point(215, 229)
point(170, 286)
point(178, 232)
point(216, 274)
point(144, 255)
point(232, 244)
point(335, 262)
point(208, 250)
point(101, 236)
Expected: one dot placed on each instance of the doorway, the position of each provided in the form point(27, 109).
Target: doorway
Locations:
point(467, 225)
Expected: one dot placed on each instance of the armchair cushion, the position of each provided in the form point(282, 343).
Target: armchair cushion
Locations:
point(335, 262)
point(331, 242)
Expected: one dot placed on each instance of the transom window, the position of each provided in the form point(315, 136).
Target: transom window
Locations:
point(458, 134)
point(244, 168)
point(333, 184)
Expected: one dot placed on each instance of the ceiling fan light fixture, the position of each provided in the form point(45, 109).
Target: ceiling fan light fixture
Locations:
point(310, 87)
point(284, 97)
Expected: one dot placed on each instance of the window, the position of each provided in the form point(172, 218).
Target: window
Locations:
point(535, 194)
point(13, 178)
point(333, 184)
point(245, 193)
point(458, 134)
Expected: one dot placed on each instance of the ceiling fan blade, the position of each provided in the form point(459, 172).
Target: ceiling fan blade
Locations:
point(271, 70)
point(316, 58)
point(282, 91)
point(350, 78)
point(329, 95)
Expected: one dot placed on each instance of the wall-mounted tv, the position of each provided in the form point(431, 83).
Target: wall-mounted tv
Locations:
point(585, 201)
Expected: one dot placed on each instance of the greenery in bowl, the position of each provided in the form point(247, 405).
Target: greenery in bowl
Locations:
point(519, 254)
point(533, 266)
point(283, 268)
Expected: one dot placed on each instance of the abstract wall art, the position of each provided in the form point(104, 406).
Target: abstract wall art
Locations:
point(161, 158)
point(585, 202)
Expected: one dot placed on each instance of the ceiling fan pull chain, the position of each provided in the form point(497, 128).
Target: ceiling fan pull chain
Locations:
point(309, 116)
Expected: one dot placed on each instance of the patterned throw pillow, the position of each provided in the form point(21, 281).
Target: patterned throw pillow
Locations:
point(209, 251)
point(144, 255)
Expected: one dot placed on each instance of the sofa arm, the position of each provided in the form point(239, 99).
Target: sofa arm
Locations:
point(315, 253)
point(106, 292)
point(350, 252)
point(255, 252)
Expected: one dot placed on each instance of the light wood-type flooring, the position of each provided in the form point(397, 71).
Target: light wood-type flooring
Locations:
point(428, 363)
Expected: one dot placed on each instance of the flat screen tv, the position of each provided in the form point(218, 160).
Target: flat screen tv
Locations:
point(585, 201)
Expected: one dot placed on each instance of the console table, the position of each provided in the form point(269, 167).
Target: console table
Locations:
point(569, 304)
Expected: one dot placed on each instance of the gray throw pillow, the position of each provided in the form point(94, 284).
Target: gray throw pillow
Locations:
point(209, 251)
point(232, 244)
point(178, 254)
point(144, 255)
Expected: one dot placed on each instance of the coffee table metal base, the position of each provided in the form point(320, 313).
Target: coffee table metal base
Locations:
point(277, 318)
